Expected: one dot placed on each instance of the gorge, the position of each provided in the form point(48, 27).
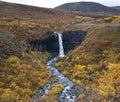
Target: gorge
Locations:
point(71, 91)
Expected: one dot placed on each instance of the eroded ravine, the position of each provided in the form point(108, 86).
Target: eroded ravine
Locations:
point(71, 91)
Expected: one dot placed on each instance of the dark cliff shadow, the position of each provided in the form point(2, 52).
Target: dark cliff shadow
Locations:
point(71, 39)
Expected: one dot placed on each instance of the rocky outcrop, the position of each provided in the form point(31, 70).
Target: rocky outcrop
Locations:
point(71, 39)
point(49, 44)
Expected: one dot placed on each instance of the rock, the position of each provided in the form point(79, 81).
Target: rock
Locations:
point(71, 39)
point(77, 90)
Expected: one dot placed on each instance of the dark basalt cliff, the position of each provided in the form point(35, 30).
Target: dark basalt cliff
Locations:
point(71, 39)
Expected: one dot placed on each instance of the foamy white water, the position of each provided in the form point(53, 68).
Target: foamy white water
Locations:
point(61, 49)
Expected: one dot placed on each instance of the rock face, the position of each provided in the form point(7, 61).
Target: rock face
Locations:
point(49, 44)
point(71, 39)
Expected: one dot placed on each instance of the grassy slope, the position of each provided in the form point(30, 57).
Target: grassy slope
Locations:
point(29, 23)
point(114, 19)
point(8, 44)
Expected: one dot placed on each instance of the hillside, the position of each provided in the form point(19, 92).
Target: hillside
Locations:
point(16, 82)
point(116, 7)
point(89, 7)
point(29, 22)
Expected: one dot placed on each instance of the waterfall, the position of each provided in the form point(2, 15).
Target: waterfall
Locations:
point(70, 92)
point(61, 49)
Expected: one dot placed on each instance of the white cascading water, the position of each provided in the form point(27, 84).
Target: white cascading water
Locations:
point(61, 49)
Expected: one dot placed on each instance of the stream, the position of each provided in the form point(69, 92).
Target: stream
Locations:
point(71, 91)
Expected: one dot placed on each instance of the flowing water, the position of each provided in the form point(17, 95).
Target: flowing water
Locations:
point(61, 49)
point(70, 91)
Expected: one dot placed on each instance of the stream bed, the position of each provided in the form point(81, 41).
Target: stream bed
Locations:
point(70, 92)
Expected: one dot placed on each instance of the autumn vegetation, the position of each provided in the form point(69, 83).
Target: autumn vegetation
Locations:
point(20, 78)
point(114, 19)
